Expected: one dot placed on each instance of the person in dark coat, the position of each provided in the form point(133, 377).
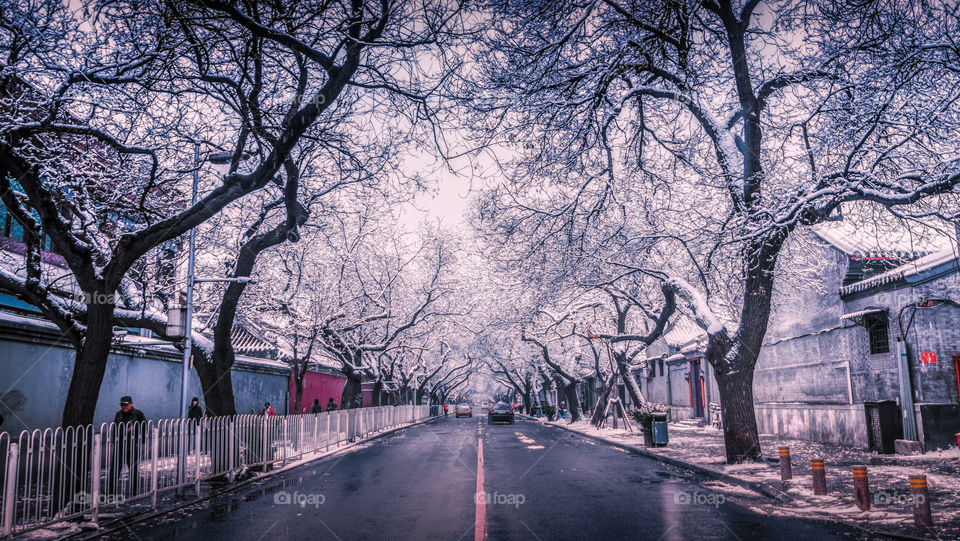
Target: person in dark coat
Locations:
point(316, 408)
point(195, 412)
point(128, 437)
point(331, 405)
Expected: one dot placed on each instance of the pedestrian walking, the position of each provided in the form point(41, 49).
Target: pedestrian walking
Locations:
point(444, 409)
point(331, 405)
point(128, 437)
point(267, 411)
point(195, 412)
point(316, 408)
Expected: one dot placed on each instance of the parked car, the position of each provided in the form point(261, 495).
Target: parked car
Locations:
point(464, 410)
point(500, 413)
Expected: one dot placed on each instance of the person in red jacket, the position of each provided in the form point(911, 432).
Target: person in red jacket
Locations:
point(267, 411)
point(444, 409)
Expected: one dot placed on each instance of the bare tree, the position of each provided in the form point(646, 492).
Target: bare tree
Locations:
point(101, 145)
point(703, 125)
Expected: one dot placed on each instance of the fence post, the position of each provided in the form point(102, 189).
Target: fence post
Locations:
point(155, 457)
point(286, 438)
point(196, 456)
point(95, 478)
point(232, 442)
point(183, 425)
point(10, 489)
point(300, 437)
point(266, 439)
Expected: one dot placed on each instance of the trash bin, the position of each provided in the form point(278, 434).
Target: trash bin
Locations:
point(660, 429)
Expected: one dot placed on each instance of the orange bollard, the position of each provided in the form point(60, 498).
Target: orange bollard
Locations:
point(786, 469)
point(921, 501)
point(861, 487)
point(819, 477)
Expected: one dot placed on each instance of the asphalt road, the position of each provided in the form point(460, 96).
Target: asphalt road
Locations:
point(538, 483)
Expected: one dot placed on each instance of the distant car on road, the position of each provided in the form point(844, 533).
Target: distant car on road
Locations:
point(464, 410)
point(485, 405)
point(500, 413)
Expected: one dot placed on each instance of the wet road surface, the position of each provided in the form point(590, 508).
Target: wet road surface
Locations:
point(420, 483)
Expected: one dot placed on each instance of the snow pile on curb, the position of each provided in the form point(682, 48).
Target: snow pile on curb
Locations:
point(891, 505)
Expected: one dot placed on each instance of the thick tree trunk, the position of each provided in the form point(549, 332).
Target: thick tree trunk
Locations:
point(298, 398)
point(740, 435)
point(734, 359)
point(216, 380)
point(90, 365)
point(352, 396)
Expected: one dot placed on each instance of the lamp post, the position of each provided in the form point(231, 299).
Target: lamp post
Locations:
point(187, 321)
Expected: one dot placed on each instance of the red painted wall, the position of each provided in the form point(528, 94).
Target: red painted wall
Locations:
point(317, 385)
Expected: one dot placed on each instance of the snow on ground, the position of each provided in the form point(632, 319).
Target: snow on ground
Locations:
point(888, 475)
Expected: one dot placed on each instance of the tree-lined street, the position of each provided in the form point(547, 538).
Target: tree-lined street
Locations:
point(323, 220)
point(540, 483)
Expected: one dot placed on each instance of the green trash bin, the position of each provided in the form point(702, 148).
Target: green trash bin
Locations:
point(660, 429)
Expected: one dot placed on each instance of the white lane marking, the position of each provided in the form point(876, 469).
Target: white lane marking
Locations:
point(480, 524)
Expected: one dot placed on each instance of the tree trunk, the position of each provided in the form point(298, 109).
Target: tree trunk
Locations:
point(604, 397)
point(734, 359)
point(90, 365)
point(352, 392)
point(217, 383)
point(739, 419)
point(573, 401)
point(216, 380)
point(298, 397)
point(629, 381)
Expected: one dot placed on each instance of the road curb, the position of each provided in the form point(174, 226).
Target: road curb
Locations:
point(135, 517)
point(761, 488)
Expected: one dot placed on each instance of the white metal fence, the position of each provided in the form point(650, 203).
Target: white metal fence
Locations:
point(54, 474)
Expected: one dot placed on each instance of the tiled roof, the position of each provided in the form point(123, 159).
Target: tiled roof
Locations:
point(912, 268)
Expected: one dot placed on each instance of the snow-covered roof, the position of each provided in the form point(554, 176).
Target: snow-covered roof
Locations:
point(684, 332)
point(889, 241)
point(913, 268)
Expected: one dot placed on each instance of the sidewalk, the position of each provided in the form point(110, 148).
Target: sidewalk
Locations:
point(891, 509)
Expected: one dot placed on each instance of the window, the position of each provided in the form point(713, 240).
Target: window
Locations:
point(661, 367)
point(877, 324)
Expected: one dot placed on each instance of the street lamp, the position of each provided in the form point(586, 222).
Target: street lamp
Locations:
point(179, 320)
